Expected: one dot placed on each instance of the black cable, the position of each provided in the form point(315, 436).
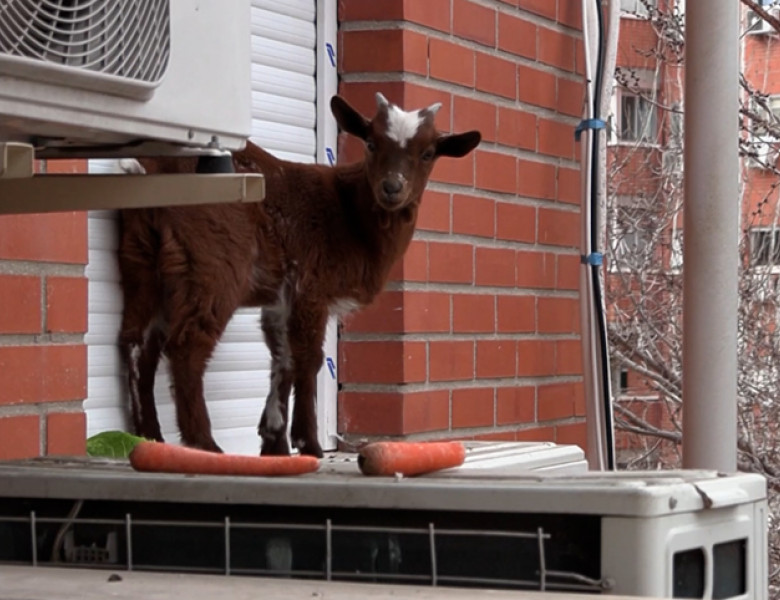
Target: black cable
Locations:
point(594, 237)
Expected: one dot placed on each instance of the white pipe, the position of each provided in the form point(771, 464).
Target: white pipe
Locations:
point(711, 221)
point(590, 374)
point(597, 414)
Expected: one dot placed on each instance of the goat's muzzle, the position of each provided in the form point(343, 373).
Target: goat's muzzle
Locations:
point(392, 193)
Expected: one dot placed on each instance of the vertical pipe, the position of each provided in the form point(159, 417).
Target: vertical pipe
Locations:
point(594, 393)
point(711, 222)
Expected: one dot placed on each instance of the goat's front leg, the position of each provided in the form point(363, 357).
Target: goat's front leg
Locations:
point(273, 422)
point(307, 333)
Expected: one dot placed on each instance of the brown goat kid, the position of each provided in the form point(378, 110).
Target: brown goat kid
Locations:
point(323, 241)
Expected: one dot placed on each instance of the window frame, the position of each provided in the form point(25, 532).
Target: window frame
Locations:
point(618, 248)
point(773, 251)
point(639, 124)
point(639, 10)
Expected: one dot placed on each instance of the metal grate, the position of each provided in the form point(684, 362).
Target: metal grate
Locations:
point(277, 542)
point(129, 39)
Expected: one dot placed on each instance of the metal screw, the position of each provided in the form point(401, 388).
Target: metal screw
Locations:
point(672, 502)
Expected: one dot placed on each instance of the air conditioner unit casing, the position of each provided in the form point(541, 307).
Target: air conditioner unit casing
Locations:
point(513, 515)
point(202, 97)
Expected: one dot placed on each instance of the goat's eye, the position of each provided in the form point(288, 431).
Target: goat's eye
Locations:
point(427, 155)
point(370, 146)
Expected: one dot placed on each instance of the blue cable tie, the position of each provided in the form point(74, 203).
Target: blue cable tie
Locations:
point(594, 259)
point(588, 124)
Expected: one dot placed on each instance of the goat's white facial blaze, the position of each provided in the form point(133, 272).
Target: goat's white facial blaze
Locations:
point(402, 126)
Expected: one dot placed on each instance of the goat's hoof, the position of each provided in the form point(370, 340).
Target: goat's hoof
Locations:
point(309, 448)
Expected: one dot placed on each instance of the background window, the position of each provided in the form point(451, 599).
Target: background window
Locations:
point(637, 8)
point(765, 247)
point(638, 121)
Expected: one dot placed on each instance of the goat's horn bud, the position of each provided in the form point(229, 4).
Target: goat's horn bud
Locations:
point(381, 101)
point(434, 108)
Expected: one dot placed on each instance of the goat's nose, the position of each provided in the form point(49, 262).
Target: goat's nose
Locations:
point(391, 186)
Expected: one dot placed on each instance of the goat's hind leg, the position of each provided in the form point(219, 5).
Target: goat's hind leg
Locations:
point(272, 428)
point(141, 344)
point(307, 334)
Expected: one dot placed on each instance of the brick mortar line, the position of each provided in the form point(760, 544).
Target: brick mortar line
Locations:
point(529, 155)
point(41, 269)
point(470, 288)
point(41, 409)
point(538, 20)
point(459, 336)
point(424, 235)
point(473, 431)
point(532, 17)
point(43, 339)
point(451, 88)
point(427, 235)
point(436, 386)
point(463, 433)
point(496, 147)
point(510, 198)
point(494, 51)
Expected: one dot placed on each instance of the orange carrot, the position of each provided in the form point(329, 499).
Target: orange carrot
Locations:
point(160, 457)
point(409, 458)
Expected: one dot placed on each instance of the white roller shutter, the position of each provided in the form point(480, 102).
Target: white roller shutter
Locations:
point(285, 94)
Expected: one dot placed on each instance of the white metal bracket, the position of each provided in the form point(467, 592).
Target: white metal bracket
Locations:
point(16, 160)
point(23, 192)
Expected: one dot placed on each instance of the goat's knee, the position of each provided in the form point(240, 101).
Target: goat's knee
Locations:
point(272, 428)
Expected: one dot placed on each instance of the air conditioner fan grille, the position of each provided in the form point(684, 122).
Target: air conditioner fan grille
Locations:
point(129, 39)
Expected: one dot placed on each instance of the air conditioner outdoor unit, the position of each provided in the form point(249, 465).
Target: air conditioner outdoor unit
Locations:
point(100, 75)
point(517, 516)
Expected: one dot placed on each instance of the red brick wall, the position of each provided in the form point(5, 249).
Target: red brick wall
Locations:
point(43, 360)
point(762, 71)
point(478, 333)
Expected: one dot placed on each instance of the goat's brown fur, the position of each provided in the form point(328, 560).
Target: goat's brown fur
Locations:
point(323, 236)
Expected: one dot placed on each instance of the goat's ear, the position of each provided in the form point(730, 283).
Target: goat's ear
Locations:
point(348, 118)
point(457, 145)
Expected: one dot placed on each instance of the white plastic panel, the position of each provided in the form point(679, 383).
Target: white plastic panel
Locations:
point(284, 91)
point(284, 121)
point(236, 381)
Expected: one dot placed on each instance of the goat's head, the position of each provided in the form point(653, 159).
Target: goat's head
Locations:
point(401, 148)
